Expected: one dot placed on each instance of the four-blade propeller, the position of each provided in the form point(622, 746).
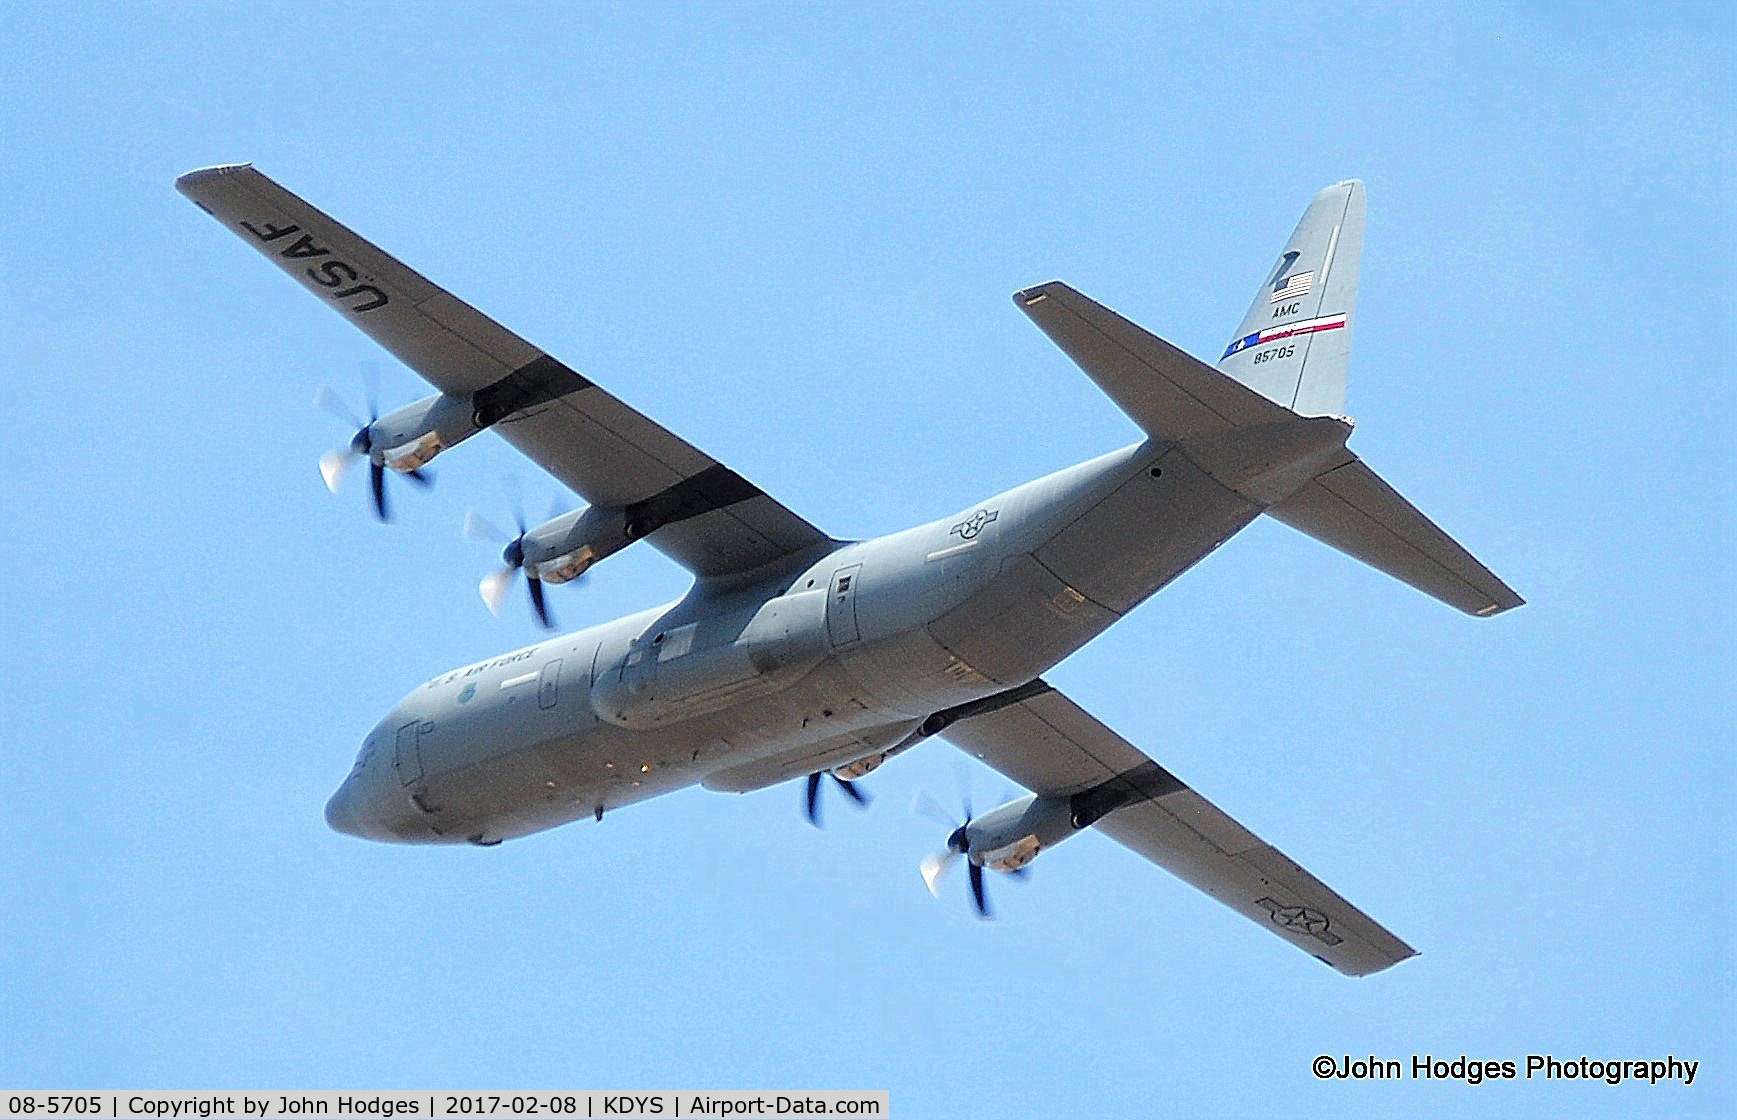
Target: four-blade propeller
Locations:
point(936, 865)
point(496, 584)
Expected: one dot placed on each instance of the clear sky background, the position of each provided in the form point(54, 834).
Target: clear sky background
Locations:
point(791, 236)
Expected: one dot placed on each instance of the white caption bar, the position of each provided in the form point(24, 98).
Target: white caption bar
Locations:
point(560, 1106)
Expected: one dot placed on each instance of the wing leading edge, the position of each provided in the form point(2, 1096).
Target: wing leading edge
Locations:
point(716, 522)
point(1053, 747)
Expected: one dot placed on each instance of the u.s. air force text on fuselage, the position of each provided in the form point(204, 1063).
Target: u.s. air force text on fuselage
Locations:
point(795, 654)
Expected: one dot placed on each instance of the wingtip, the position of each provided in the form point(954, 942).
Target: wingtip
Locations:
point(1029, 297)
point(201, 175)
point(1362, 967)
point(1499, 606)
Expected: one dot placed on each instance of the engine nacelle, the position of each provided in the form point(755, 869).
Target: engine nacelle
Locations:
point(850, 772)
point(563, 549)
point(1010, 836)
point(409, 438)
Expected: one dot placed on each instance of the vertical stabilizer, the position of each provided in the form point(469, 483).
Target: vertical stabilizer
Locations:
point(1294, 345)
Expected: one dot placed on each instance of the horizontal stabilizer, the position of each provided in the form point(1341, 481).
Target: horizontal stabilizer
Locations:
point(1171, 394)
point(1355, 511)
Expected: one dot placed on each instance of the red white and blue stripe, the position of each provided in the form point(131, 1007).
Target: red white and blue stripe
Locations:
point(1289, 330)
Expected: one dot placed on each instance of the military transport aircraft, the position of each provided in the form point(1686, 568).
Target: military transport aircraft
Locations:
point(797, 655)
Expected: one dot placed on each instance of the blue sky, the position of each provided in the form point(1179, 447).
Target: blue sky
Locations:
point(791, 236)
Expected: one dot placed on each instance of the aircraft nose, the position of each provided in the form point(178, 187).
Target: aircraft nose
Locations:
point(342, 812)
point(363, 807)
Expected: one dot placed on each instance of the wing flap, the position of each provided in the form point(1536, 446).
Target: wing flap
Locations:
point(599, 447)
point(1046, 743)
point(459, 320)
point(1054, 747)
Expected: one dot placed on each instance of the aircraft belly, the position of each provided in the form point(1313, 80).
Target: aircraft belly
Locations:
point(912, 675)
point(1163, 519)
point(528, 788)
point(1151, 514)
point(807, 757)
point(1023, 622)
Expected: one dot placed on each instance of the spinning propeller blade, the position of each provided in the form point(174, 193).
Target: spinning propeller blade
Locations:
point(336, 463)
point(978, 898)
point(936, 865)
point(811, 802)
point(495, 585)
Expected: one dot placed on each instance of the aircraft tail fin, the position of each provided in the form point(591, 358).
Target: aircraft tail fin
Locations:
point(1249, 423)
point(1294, 345)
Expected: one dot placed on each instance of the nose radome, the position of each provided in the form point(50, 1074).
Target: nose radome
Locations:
point(342, 812)
point(367, 807)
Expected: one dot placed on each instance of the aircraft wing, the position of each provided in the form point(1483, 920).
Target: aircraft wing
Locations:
point(602, 449)
point(1053, 747)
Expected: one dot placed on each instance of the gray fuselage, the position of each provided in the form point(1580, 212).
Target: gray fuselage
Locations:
point(832, 658)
